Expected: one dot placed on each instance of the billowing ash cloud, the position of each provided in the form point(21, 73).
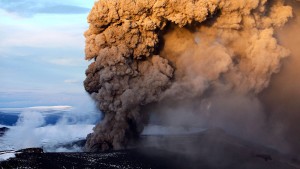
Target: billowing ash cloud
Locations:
point(158, 51)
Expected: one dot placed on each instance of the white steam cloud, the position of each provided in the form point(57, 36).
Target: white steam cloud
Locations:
point(31, 130)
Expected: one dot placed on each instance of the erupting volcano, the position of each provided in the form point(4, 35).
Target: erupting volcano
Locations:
point(151, 53)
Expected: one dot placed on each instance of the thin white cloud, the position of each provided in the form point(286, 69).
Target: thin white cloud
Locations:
point(72, 81)
point(5, 14)
point(29, 8)
point(41, 31)
point(36, 108)
point(41, 38)
point(51, 43)
point(66, 61)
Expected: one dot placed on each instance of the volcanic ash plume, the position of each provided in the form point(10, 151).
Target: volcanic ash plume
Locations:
point(150, 51)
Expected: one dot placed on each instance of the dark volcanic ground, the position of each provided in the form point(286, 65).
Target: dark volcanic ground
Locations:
point(211, 149)
point(134, 158)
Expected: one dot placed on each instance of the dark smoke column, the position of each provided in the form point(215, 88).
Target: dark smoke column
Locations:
point(126, 73)
point(128, 70)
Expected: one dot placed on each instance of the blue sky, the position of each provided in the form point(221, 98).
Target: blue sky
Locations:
point(42, 52)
